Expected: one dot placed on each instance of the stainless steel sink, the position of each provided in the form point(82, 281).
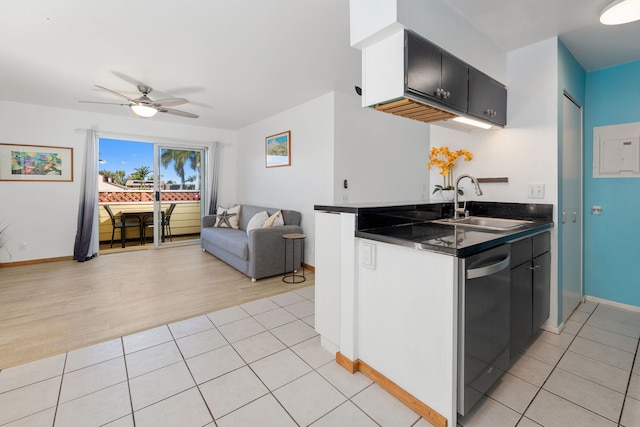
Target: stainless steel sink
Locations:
point(500, 224)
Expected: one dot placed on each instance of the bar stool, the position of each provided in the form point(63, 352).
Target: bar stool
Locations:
point(290, 276)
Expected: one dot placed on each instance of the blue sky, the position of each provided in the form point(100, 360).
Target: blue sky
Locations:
point(124, 155)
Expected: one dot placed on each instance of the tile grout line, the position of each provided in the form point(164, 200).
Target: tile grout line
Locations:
point(64, 366)
point(184, 360)
point(556, 367)
point(126, 370)
point(626, 393)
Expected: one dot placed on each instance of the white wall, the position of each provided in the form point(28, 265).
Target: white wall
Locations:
point(383, 157)
point(44, 214)
point(526, 151)
point(333, 138)
point(309, 179)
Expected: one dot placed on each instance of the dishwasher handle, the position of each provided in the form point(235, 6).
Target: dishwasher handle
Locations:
point(488, 270)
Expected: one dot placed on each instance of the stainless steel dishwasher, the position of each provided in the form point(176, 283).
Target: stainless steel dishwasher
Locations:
point(483, 323)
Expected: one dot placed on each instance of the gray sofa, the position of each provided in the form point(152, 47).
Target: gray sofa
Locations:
point(258, 254)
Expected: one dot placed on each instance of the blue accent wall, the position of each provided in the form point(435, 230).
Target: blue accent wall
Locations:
point(612, 239)
point(572, 80)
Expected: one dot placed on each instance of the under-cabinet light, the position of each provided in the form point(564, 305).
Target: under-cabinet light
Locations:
point(472, 122)
point(621, 12)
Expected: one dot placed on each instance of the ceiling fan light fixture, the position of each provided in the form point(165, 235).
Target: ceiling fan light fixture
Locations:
point(620, 12)
point(143, 110)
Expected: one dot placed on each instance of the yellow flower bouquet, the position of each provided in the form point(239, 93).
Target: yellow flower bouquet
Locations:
point(445, 160)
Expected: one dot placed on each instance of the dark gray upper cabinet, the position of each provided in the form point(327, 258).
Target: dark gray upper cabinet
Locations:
point(441, 79)
point(435, 74)
point(487, 98)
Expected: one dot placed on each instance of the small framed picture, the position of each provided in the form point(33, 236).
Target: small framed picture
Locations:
point(278, 149)
point(35, 163)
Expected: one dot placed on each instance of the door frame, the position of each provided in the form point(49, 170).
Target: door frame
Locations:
point(579, 209)
point(157, 204)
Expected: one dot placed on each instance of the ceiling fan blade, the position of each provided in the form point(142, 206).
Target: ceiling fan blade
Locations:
point(107, 103)
point(169, 102)
point(115, 93)
point(178, 113)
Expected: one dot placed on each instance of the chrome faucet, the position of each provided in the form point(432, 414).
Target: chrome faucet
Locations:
point(456, 210)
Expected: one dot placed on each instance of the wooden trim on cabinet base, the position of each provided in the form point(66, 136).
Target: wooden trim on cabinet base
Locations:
point(309, 267)
point(392, 388)
point(347, 364)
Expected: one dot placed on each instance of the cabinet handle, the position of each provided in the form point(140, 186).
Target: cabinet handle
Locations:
point(575, 216)
point(443, 94)
point(533, 267)
point(564, 217)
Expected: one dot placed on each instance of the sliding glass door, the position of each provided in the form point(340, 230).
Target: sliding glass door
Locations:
point(178, 184)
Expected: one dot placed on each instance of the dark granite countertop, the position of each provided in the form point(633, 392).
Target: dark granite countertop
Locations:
point(410, 224)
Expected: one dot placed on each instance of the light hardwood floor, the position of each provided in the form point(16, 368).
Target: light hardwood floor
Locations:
point(47, 309)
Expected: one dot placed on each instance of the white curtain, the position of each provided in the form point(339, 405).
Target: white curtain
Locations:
point(213, 203)
point(87, 239)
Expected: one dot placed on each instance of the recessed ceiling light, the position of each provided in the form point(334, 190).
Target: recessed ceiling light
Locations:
point(620, 12)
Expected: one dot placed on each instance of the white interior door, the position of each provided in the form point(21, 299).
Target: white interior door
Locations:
point(571, 207)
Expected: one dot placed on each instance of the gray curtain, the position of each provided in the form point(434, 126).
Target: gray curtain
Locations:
point(213, 205)
point(87, 243)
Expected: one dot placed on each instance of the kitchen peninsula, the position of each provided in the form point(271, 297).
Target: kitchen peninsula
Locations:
point(388, 297)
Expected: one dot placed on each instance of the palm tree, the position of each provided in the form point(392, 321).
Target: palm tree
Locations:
point(141, 173)
point(180, 159)
point(117, 176)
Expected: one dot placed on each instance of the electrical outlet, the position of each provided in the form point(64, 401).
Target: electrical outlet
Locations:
point(535, 191)
point(368, 255)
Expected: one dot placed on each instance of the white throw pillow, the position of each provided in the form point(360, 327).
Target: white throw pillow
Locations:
point(274, 220)
point(228, 218)
point(257, 221)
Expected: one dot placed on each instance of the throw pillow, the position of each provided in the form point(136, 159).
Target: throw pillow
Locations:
point(257, 221)
point(274, 220)
point(229, 218)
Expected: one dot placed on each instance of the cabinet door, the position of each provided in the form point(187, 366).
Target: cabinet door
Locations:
point(541, 289)
point(487, 98)
point(423, 67)
point(521, 307)
point(455, 76)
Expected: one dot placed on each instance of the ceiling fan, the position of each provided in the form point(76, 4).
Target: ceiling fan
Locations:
point(144, 106)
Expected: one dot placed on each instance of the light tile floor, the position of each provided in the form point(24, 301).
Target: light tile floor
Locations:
point(261, 364)
point(586, 376)
point(256, 364)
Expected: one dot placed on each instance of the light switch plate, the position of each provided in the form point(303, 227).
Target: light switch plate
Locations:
point(535, 191)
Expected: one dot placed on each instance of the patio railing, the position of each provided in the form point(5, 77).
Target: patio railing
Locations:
point(185, 219)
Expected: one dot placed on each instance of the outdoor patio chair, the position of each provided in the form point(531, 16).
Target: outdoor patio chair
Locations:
point(122, 226)
point(147, 222)
point(166, 222)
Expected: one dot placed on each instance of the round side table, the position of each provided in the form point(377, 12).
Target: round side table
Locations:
point(290, 276)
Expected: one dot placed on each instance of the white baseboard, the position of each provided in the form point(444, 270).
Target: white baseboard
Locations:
point(613, 303)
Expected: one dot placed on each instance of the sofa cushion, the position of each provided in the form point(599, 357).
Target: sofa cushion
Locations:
point(231, 240)
point(229, 218)
point(274, 220)
point(257, 221)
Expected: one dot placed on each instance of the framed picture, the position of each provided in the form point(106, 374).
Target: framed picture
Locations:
point(278, 149)
point(35, 163)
